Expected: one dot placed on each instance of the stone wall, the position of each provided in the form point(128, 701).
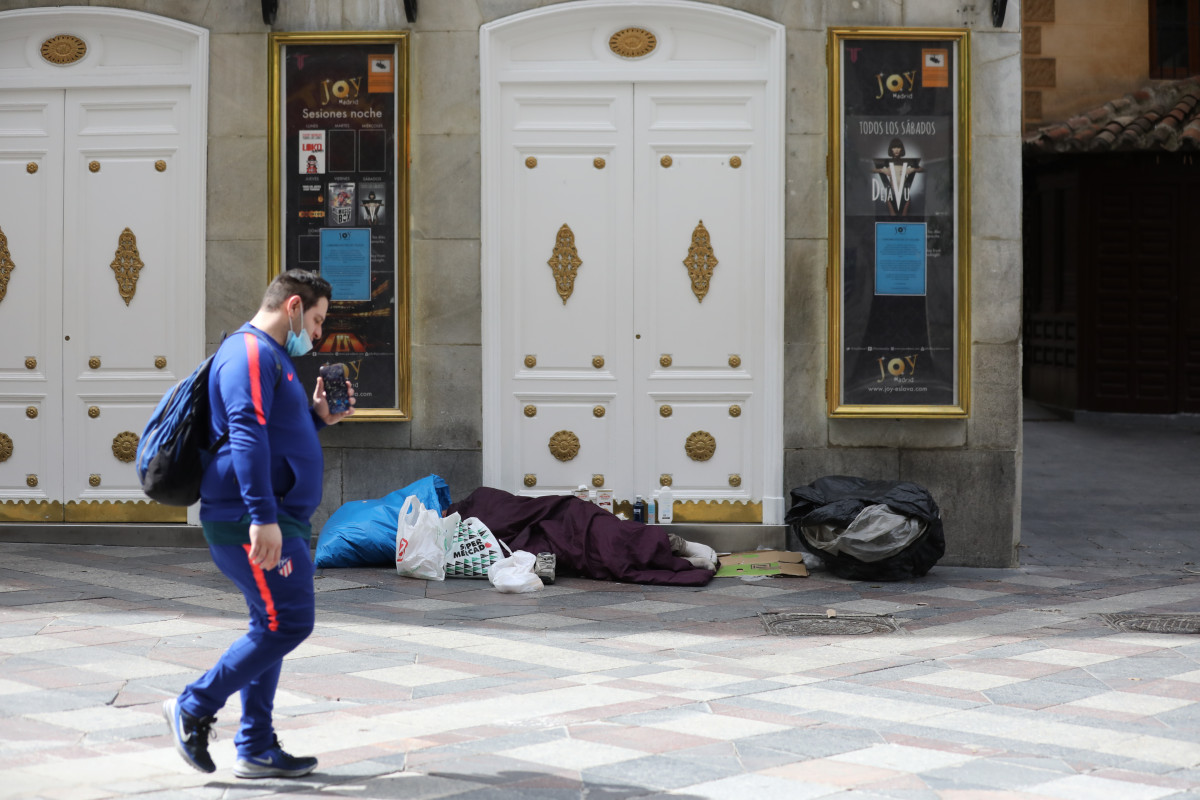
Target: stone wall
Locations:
point(1080, 54)
point(972, 466)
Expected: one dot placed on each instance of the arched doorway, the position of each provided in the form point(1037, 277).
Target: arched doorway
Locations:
point(632, 255)
point(103, 127)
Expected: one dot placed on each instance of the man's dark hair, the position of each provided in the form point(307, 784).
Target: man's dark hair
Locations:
point(309, 285)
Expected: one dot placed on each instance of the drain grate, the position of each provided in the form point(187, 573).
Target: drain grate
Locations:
point(793, 623)
point(1154, 623)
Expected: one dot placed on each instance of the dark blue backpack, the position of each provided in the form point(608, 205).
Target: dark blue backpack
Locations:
point(174, 449)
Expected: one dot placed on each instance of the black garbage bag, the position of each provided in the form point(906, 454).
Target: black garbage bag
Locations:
point(868, 530)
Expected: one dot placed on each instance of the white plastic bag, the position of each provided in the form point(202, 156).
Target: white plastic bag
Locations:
point(514, 573)
point(420, 542)
point(471, 549)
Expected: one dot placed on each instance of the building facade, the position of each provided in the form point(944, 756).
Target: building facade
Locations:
point(468, 305)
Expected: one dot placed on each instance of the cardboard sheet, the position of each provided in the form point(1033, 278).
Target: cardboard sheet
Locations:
point(762, 562)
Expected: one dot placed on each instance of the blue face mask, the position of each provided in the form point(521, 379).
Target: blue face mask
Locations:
point(298, 344)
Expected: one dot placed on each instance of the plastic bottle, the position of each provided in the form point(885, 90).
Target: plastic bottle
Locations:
point(652, 509)
point(666, 505)
point(639, 509)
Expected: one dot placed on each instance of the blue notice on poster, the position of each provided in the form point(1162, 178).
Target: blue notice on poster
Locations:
point(900, 258)
point(346, 262)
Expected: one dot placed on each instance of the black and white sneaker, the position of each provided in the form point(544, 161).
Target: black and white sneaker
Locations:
point(191, 735)
point(274, 762)
point(543, 567)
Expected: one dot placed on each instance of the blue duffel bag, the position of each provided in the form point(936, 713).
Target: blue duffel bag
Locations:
point(362, 533)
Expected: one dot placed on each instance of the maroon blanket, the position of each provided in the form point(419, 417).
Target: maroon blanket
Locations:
point(585, 539)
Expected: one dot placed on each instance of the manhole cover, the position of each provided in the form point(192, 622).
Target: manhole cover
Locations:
point(792, 623)
point(1154, 623)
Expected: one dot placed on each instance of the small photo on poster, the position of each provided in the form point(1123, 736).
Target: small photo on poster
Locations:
point(308, 249)
point(341, 204)
point(312, 152)
point(380, 73)
point(372, 206)
point(341, 151)
point(372, 151)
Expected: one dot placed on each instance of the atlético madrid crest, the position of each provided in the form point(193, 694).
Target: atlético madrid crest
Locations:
point(285, 567)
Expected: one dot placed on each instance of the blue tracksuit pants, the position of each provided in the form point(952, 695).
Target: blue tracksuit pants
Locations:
point(282, 612)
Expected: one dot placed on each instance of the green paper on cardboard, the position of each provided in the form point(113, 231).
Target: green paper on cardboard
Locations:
point(762, 562)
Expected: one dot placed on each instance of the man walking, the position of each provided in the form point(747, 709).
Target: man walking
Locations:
point(256, 499)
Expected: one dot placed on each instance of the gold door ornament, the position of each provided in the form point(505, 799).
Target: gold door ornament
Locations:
point(735, 161)
point(632, 42)
point(700, 261)
point(598, 362)
point(530, 361)
point(31, 363)
point(700, 446)
point(124, 446)
point(531, 162)
point(598, 163)
point(665, 479)
point(31, 481)
point(160, 165)
point(93, 411)
point(598, 412)
point(530, 480)
point(126, 265)
point(564, 445)
point(565, 262)
point(94, 362)
point(735, 480)
point(31, 167)
point(31, 412)
point(735, 411)
point(664, 360)
point(6, 265)
point(94, 166)
point(666, 161)
point(6, 447)
point(531, 411)
point(160, 362)
point(735, 361)
point(93, 480)
point(665, 411)
point(598, 481)
point(63, 49)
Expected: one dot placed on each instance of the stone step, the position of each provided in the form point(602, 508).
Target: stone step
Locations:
point(724, 538)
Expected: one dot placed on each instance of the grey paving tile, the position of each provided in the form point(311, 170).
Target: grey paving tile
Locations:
point(1039, 693)
point(658, 772)
point(816, 742)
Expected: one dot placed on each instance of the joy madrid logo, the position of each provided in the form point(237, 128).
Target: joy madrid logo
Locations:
point(899, 84)
point(344, 92)
point(901, 368)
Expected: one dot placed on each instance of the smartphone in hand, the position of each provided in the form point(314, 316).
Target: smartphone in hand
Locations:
point(334, 376)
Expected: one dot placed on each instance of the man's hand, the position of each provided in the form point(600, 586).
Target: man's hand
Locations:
point(266, 544)
point(321, 403)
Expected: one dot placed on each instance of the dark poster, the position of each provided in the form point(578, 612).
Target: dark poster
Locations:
point(899, 254)
point(338, 181)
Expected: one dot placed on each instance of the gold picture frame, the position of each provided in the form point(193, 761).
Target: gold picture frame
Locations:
point(899, 223)
point(338, 201)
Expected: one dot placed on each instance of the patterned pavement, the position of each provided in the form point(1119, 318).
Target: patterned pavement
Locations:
point(999, 684)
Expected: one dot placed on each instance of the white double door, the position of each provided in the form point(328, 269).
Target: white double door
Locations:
point(642, 361)
point(102, 292)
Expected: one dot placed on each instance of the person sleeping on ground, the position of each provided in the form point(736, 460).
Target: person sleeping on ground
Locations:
point(588, 541)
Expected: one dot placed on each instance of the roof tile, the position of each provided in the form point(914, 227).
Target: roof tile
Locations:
point(1162, 116)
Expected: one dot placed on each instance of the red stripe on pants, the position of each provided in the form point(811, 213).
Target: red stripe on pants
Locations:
point(264, 591)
